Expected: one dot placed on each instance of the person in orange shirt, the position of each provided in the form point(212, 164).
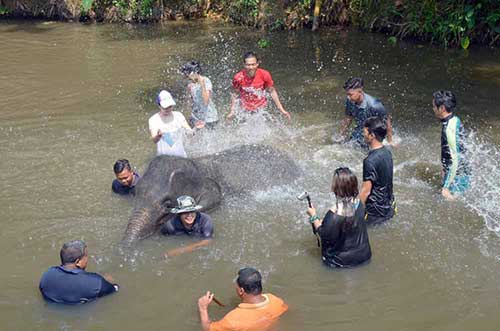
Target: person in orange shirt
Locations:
point(256, 312)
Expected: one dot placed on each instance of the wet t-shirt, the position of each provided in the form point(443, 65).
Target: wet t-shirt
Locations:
point(368, 108)
point(343, 245)
point(73, 286)
point(172, 127)
point(121, 189)
point(378, 169)
point(202, 227)
point(253, 89)
point(202, 112)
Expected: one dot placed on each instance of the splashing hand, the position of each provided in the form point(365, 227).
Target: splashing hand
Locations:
point(447, 194)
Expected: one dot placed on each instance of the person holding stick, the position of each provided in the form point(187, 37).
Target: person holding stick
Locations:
point(256, 312)
point(343, 234)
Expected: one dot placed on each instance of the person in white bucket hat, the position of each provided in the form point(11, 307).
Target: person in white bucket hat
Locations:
point(167, 127)
point(188, 220)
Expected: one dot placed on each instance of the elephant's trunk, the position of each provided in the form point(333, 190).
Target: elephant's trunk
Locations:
point(142, 224)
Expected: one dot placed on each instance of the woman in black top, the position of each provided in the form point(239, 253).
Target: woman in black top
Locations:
point(344, 239)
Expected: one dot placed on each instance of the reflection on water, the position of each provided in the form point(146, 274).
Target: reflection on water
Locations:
point(76, 98)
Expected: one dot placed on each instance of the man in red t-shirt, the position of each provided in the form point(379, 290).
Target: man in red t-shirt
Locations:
point(251, 85)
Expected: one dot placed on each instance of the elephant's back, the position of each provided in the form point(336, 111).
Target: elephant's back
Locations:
point(251, 167)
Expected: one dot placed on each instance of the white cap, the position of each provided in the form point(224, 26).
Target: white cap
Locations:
point(165, 100)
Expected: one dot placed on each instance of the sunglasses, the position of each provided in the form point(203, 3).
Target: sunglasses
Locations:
point(341, 169)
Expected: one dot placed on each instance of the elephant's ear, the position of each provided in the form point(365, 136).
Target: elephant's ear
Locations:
point(205, 191)
point(182, 183)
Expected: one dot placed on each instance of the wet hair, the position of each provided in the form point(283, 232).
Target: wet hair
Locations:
point(446, 99)
point(353, 83)
point(345, 188)
point(250, 280)
point(121, 165)
point(344, 183)
point(377, 127)
point(191, 67)
point(250, 54)
point(72, 251)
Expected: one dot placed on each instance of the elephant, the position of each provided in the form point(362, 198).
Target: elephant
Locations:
point(208, 179)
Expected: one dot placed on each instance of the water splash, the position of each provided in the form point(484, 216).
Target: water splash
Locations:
point(483, 194)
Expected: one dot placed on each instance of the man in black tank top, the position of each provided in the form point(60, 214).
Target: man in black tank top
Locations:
point(376, 191)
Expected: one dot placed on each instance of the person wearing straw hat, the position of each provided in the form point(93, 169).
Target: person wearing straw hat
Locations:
point(188, 220)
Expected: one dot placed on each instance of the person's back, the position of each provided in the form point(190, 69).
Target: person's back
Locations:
point(73, 286)
point(252, 317)
point(69, 283)
point(344, 240)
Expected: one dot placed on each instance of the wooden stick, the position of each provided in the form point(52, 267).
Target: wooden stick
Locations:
point(218, 302)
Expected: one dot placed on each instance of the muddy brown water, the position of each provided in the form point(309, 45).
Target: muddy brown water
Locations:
point(74, 98)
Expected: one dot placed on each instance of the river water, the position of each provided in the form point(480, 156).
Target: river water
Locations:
point(75, 98)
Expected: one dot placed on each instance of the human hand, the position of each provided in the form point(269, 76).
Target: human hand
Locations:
point(287, 115)
point(230, 115)
point(159, 134)
point(311, 211)
point(108, 278)
point(205, 300)
point(447, 194)
point(199, 124)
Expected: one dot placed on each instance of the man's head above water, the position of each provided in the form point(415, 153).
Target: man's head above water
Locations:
point(251, 63)
point(74, 252)
point(249, 282)
point(443, 103)
point(354, 89)
point(123, 172)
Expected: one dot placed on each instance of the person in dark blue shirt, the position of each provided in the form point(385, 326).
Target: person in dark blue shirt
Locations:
point(69, 283)
point(188, 220)
point(126, 179)
point(358, 107)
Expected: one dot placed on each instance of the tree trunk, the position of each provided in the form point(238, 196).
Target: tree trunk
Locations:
point(317, 12)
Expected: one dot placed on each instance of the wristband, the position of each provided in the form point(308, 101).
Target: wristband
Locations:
point(313, 218)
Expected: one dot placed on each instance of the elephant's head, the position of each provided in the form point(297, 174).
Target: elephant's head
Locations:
point(166, 179)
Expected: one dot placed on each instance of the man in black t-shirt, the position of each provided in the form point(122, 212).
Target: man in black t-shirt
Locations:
point(69, 283)
point(376, 191)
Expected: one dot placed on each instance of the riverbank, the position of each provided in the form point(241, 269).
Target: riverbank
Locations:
point(451, 23)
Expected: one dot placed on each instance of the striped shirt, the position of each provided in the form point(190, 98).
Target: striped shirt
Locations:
point(453, 150)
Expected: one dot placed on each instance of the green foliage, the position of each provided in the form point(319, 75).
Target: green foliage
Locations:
point(146, 8)
point(263, 43)
point(454, 23)
point(392, 40)
point(4, 11)
point(86, 6)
